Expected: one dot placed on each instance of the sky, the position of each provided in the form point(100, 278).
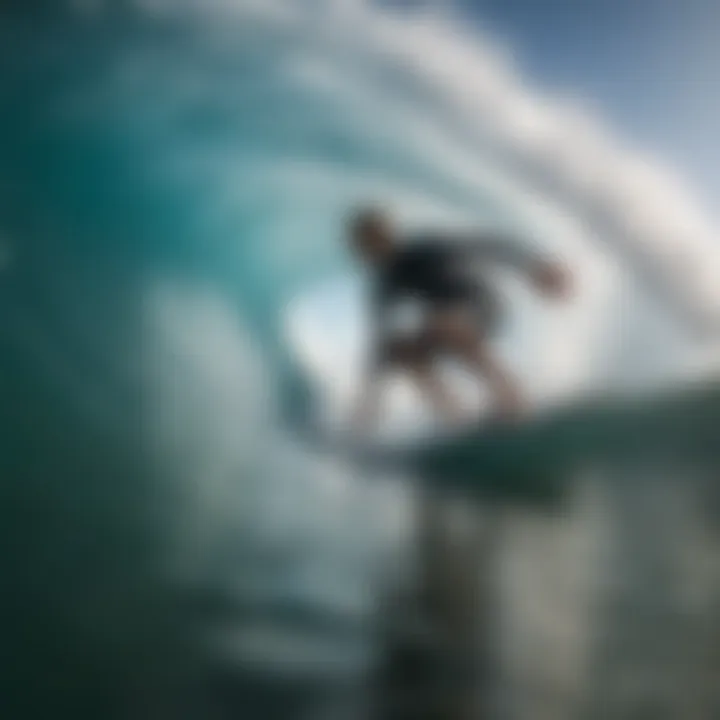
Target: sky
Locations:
point(652, 67)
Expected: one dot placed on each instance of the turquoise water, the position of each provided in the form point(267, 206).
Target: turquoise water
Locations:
point(136, 208)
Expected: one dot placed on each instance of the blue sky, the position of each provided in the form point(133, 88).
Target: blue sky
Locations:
point(652, 66)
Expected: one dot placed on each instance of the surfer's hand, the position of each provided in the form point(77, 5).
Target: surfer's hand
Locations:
point(552, 279)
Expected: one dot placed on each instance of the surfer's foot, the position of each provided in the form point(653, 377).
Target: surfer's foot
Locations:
point(455, 421)
point(510, 408)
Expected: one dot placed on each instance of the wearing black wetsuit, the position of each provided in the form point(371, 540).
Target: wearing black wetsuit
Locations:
point(444, 271)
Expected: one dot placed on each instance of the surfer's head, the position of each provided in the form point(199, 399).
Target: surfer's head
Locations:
point(371, 234)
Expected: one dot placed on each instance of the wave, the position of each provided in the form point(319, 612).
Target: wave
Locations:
point(173, 182)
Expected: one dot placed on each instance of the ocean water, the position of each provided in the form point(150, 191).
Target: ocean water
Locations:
point(173, 182)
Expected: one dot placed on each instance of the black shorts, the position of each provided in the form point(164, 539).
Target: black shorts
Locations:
point(479, 300)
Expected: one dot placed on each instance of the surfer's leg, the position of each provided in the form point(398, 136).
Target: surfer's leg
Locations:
point(507, 396)
point(431, 385)
point(458, 331)
point(414, 356)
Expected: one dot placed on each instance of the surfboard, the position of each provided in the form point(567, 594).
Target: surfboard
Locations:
point(535, 461)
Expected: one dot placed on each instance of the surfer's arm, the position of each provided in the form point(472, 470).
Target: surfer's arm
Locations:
point(500, 249)
point(544, 273)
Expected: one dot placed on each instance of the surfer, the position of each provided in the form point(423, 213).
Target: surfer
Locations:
point(447, 275)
